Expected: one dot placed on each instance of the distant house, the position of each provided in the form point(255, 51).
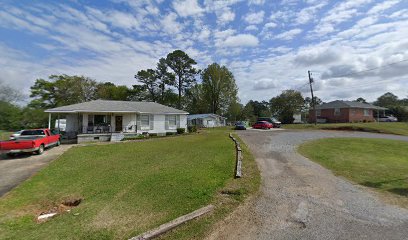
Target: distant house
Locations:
point(297, 118)
point(205, 120)
point(102, 117)
point(345, 111)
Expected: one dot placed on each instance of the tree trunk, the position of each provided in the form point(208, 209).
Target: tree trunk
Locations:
point(162, 93)
point(179, 91)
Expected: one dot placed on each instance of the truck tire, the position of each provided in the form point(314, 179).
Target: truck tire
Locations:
point(40, 150)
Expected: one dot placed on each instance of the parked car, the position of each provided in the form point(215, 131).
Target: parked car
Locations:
point(15, 135)
point(33, 140)
point(275, 122)
point(262, 125)
point(388, 119)
point(240, 126)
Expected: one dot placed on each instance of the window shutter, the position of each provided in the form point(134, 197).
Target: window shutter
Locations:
point(178, 121)
point(151, 121)
point(138, 122)
point(166, 122)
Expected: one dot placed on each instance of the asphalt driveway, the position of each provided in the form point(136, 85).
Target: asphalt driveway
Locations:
point(300, 199)
point(15, 170)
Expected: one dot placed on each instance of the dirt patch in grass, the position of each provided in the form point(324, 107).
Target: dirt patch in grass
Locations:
point(56, 209)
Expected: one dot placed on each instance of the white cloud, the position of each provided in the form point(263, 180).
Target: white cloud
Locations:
point(251, 28)
point(341, 12)
point(382, 6)
point(256, 2)
point(241, 40)
point(270, 25)
point(185, 8)
point(170, 25)
point(226, 16)
point(310, 13)
point(255, 18)
point(288, 35)
point(264, 84)
point(96, 42)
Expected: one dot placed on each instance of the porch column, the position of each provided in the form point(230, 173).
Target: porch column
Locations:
point(49, 120)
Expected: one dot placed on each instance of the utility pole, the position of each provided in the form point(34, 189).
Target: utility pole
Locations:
point(313, 99)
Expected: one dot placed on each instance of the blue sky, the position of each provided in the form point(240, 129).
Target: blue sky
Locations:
point(268, 45)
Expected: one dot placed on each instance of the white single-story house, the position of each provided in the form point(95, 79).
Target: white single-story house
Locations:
point(206, 120)
point(105, 117)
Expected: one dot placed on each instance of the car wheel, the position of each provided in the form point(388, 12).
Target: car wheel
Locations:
point(40, 150)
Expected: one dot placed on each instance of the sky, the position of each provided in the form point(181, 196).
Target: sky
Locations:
point(269, 46)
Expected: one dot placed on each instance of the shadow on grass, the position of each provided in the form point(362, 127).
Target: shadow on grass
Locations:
point(399, 191)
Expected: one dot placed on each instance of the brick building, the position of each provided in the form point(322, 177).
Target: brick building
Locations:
point(346, 111)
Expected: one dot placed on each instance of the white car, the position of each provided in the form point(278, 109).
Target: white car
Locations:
point(15, 135)
point(388, 119)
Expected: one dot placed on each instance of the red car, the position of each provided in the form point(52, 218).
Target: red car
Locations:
point(263, 125)
point(33, 140)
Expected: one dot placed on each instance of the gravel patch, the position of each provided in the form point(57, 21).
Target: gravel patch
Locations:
point(300, 199)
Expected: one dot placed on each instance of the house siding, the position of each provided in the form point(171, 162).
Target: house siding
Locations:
point(203, 122)
point(129, 123)
point(346, 115)
point(358, 115)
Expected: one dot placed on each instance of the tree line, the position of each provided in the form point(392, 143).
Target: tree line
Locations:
point(291, 102)
point(175, 82)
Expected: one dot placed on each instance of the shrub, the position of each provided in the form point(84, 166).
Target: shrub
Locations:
point(192, 129)
point(180, 130)
point(170, 133)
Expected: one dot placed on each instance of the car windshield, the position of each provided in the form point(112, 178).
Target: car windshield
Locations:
point(32, 132)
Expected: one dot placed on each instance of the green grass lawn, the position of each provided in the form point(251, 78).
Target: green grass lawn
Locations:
point(5, 135)
point(377, 163)
point(398, 128)
point(129, 188)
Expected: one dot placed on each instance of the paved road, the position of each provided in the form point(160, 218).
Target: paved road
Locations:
point(300, 199)
point(15, 170)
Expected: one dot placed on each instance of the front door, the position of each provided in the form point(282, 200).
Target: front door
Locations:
point(118, 123)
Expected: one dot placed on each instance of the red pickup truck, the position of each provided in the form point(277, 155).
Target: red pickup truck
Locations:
point(33, 140)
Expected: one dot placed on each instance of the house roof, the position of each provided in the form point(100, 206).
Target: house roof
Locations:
point(204, 115)
point(347, 104)
point(116, 106)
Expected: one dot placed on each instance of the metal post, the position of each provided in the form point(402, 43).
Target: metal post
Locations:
point(49, 120)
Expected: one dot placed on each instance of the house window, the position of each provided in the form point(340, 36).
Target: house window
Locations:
point(353, 112)
point(336, 111)
point(102, 119)
point(366, 112)
point(172, 120)
point(98, 120)
point(144, 120)
point(318, 112)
